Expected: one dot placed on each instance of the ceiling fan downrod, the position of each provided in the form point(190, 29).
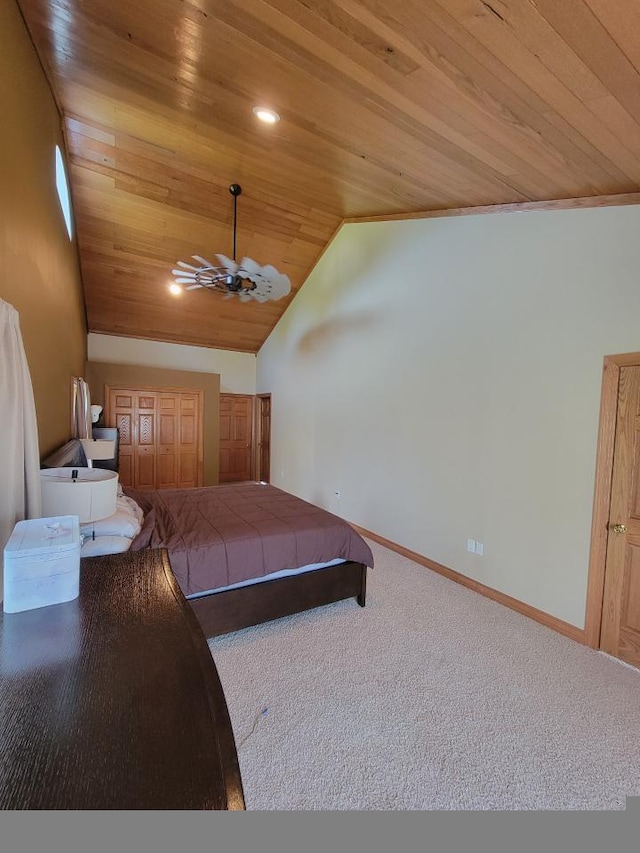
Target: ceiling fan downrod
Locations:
point(235, 190)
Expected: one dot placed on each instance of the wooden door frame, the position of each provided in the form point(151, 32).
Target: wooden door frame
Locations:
point(161, 389)
point(258, 434)
point(602, 492)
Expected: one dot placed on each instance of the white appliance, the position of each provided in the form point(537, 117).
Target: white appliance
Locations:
point(98, 448)
point(42, 563)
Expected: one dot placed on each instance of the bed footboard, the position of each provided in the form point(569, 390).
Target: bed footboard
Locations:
point(223, 612)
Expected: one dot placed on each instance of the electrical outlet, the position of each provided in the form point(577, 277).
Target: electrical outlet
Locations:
point(479, 548)
point(471, 546)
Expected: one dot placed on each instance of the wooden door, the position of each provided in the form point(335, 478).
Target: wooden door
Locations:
point(144, 444)
point(120, 413)
point(263, 437)
point(134, 414)
point(160, 434)
point(621, 606)
point(236, 437)
point(178, 451)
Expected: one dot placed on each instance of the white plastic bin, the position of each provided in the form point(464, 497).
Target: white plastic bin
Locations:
point(42, 563)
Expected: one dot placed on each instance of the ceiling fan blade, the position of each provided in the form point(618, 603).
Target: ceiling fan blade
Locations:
point(186, 266)
point(228, 264)
point(203, 261)
point(250, 266)
point(270, 283)
point(193, 287)
point(185, 280)
point(281, 286)
point(269, 271)
point(274, 288)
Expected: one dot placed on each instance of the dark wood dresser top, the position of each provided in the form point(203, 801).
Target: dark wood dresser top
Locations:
point(113, 701)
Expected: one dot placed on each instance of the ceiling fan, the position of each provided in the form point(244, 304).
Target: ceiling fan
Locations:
point(247, 280)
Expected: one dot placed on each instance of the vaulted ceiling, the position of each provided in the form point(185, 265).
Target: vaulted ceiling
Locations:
point(386, 108)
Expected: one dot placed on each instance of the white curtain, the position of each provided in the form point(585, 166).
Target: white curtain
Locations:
point(80, 409)
point(19, 451)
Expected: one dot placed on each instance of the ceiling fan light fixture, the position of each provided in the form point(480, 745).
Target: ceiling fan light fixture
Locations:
point(266, 115)
point(246, 279)
point(175, 289)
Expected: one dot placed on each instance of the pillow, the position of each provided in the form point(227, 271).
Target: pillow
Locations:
point(143, 539)
point(104, 545)
point(125, 521)
point(127, 504)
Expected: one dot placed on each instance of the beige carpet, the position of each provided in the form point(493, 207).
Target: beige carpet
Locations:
point(432, 697)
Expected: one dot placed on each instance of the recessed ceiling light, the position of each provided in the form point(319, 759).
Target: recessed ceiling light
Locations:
point(266, 115)
point(175, 289)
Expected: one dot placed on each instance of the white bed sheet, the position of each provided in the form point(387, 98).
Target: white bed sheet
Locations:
point(283, 573)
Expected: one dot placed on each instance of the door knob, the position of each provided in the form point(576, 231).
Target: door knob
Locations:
point(619, 528)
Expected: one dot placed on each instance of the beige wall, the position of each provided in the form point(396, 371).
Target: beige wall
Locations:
point(99, 374)
point(40, 274)
point(444, 376)
point(237, 369)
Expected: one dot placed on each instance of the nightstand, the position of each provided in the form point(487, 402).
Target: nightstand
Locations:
point(113, 701)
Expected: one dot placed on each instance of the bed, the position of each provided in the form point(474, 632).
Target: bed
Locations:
point(248, 553)
point(242, 554)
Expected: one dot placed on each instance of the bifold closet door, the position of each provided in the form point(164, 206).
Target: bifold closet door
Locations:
point(178, 434)
point(160, 437)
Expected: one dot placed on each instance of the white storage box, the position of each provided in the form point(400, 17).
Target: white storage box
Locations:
point(42, 563)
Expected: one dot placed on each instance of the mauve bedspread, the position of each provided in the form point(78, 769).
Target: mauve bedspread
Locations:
point(220, 535)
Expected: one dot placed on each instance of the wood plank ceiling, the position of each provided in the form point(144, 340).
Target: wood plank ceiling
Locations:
point(387, 108)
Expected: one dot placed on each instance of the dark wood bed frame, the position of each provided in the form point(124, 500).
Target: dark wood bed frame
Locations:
point(223, 612)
